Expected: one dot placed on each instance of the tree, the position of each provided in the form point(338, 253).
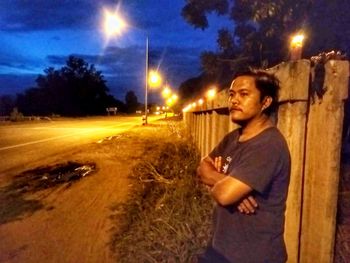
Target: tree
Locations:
point(261, 30)
point(131, 102)
point(7, 103)
point(193, 87)
point(77, 89)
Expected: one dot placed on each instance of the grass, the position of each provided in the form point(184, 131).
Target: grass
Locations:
point(167, 219)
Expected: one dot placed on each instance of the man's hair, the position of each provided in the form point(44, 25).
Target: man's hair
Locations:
point(267, 84)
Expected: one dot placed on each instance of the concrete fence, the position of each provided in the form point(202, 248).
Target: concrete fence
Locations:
point(313, 129)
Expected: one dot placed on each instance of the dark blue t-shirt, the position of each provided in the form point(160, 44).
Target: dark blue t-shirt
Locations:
point(263, 163)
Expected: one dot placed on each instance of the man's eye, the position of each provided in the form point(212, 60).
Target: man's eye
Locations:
point(244, 94)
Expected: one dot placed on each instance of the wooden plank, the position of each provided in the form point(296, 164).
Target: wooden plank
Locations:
point(292, 124)
point(292, 75)
point(322, 165)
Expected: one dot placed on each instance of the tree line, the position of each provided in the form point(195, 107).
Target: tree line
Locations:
point(260, 34)
point(259, 37)
point(77, 89)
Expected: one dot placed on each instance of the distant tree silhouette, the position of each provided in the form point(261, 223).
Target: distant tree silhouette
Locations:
point(131, 102)
point(76, 89)
point(193, 87)
point(7, 103)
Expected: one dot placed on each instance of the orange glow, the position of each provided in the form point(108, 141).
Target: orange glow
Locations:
point(211, 93)
point(154, 79)
point(297, 41)
point(166, 92)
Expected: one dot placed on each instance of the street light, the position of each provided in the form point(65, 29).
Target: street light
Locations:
point(153, 80)
point(166, 92)
point(211, 93)
point(296, 45)
point(113, 25)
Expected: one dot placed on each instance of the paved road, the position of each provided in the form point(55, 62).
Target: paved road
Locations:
point(23, 143)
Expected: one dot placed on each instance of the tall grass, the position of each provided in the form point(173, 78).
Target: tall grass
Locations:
point(168, 218)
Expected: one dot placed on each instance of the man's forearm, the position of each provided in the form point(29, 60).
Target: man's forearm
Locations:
point(208, 173)
point(212, 178)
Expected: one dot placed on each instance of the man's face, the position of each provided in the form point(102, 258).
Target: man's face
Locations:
point(244, 100)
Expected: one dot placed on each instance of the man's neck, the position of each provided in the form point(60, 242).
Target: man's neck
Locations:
point(254, 127)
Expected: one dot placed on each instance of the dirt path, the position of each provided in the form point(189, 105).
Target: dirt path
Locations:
point(73, 224)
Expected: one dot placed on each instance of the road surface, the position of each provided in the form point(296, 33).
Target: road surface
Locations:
point(68, 223)
point(24, 143)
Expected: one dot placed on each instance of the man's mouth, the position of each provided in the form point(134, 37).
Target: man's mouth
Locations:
point(232, 109)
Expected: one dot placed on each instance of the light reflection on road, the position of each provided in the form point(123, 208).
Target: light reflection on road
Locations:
point(22, 144)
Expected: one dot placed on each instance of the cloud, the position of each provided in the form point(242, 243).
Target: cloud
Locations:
point(12, 84)
point(43, 33)
point(34, 15)
point(15, 63)
point(27, 15)
point(130, 61)
point(124, 67)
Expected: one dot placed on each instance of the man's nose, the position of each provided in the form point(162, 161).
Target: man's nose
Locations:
point(233, 100)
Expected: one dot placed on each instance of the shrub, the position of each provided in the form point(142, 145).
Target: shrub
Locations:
point(16, 115)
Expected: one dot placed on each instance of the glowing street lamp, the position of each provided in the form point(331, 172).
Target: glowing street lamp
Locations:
point(154, 79)
point(211, 93)
point(114, 25)
point(166, 92)
point(174, 97)
point(169, 102)
point(172, 100)
point(296, 45)
point(187, 108)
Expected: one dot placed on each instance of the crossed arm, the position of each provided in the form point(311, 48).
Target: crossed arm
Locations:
point(226, 190)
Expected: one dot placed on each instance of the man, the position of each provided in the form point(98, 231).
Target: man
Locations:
point(248, 175)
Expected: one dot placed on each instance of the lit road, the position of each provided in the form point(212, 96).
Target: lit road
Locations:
point(23, 143)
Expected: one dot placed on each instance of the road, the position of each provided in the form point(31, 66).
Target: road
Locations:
point(24, 143)
point(75, 221)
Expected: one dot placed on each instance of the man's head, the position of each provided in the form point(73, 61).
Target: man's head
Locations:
point(253, 94)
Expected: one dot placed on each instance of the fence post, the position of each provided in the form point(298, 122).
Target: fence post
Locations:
point(322, 166)
point(293, 98)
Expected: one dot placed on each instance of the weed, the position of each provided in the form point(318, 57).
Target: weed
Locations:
point(168, 218)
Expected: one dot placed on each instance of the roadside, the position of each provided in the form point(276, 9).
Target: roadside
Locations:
point(75, 223)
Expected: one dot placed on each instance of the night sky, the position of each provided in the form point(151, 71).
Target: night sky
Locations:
point(37, 34)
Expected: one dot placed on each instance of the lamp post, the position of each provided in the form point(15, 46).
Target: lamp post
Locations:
point(113, 25)
point(146, 85)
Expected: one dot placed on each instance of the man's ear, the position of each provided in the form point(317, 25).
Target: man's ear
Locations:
point(266, 102)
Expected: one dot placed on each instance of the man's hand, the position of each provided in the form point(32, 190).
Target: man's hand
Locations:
point(208, 171)
point(227, 189)
point(218, 163)
point(248, 205)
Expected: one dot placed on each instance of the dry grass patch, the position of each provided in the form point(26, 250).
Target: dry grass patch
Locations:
point(167, 217)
